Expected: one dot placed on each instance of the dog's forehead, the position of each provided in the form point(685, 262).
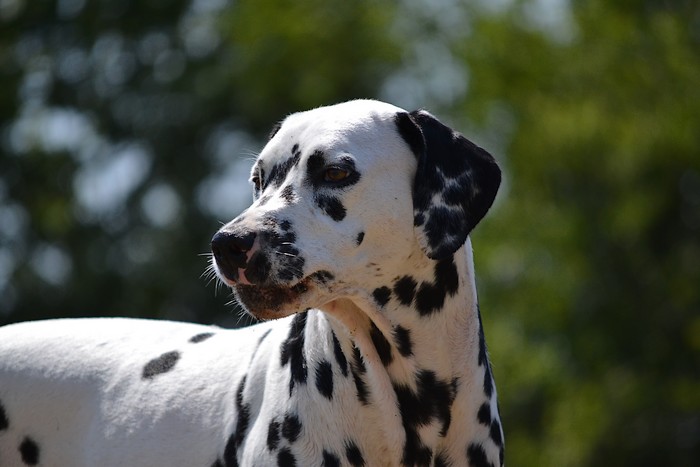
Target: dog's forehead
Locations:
point(334, 130)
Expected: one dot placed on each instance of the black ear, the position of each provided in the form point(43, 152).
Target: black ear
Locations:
point(456, 182)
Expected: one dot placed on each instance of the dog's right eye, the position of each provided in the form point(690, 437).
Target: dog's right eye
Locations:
point(256, 177)
point(335, 174)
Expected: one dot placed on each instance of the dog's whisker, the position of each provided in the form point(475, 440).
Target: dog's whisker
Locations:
point(282, 253)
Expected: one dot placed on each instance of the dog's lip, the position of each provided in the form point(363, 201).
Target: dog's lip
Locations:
point(318, 277)
point(298, 288)
point(268, 301)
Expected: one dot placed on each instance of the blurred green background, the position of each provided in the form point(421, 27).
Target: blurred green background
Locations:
point(127, 129)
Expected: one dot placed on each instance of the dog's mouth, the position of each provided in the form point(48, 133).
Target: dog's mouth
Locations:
point(277, 301)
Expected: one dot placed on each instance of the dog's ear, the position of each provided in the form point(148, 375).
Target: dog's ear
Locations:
point(455, 184)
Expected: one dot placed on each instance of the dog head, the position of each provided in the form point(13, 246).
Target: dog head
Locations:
point(344, 194)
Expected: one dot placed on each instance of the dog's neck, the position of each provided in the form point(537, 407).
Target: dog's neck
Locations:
point(424, 359)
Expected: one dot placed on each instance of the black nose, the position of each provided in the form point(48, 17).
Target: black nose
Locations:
point(231, 251)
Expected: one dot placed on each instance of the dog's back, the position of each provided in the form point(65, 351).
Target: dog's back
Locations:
point(118, 385)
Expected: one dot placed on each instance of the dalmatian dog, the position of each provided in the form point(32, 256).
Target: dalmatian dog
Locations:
point(355, 256)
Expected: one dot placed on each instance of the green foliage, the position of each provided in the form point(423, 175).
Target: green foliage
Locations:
point(588, 265)
point(287, 55)
point(594, 256)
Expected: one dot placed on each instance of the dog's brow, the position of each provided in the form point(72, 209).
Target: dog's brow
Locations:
point(316, 162)
point(273, 131)
point(347, 161)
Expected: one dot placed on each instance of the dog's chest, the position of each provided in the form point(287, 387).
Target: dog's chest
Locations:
point(304, 401)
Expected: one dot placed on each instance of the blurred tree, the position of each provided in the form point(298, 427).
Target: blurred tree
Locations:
point(593, 259)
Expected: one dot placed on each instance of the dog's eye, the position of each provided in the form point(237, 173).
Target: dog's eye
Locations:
point(335, 174)
point(257, 183)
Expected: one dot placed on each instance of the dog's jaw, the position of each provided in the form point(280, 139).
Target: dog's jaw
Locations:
point(279, 301)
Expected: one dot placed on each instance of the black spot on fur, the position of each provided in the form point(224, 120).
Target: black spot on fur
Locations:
point(323, 276)
point(441, 460)
point(484, 414)
point(231, 452)
point(381, 295)
point(418, 219)
point(443, 222)
point(258, 268)
point(402, 337)
point(217, 463)
point(331, 206)
point(264, 336)
point(358, 370)
point(291, 427)
point(405, 290)
point(381, 344)
point(287, 194)
point(416, 453)
point(360, 387)
point(339, 355)
point(358, 363)
point(29, 451)
point(292, 266)
point(446, 276)
point(488, 381)
point(429, 299)
point(243, 411)
point(201, 337)
point(258, 175)
point(431, 296)
point(293, 351)
point(352, 452)
point(495, 433)
point(283, 239)
point(453, 195)
point(410, 132)
point(483, 359)
point(285, 458)
point(278, 172)
point(314, 167)
point(431, 402)
point(4, 422)
point(324, 379)
point(360, 237)
point(273, 435)
point(162, 364)
point(477, 456)
point(330, 459)
point(238, 435)
point(273, 131)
